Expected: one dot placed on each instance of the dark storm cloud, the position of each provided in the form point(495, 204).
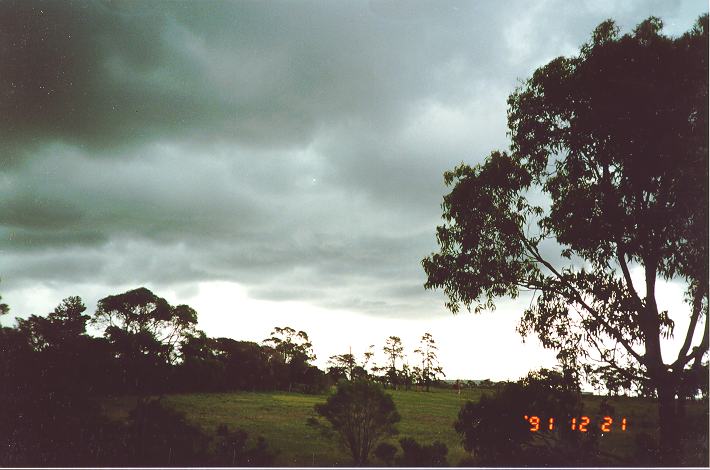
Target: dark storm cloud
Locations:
point(294, 147)
point(102, 75)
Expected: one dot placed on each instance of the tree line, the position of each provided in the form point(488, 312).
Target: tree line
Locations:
point(55, 374)
point(150, 347)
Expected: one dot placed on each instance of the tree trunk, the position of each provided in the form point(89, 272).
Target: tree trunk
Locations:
point(669, 426)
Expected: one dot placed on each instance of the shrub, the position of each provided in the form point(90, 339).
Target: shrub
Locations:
point(159, 436)
point(231, 450)
point(362, 414)
point(385, 452)
point(495, 431)
point(417, 455)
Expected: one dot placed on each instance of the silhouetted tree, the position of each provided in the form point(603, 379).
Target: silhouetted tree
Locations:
point(291, 343)
point(362, 414)
point(345, 363)
point(394, 351)
point(144, 330)
point(616, 140)
point(4, 308)
point(141, 311)
point(65, 356)
point(50, 372)
point(294, 351)
point(202, 368)
point(409, 375)
point(246, 364)
point(60, 327)
point(349, 365)
point(431, 369)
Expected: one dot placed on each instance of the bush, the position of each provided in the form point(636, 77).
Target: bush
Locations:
point(362, 414)
point(159, 436)
point(495, 431)
point(231, 450)
point(385, 452)
point(417, 455)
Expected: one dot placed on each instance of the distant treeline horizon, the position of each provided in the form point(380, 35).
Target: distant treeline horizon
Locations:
point(142, 344)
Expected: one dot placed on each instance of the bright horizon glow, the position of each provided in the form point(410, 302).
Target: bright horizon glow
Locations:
point(471, 346)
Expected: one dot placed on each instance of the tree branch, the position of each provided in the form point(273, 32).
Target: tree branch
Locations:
point(698, 351)
point(613, 364)
point(578, 298)
point(627, 275)
point(697, 307)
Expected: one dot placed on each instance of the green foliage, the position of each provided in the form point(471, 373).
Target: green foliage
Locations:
point(362, 414)
point(281, 418)
point(615, 140)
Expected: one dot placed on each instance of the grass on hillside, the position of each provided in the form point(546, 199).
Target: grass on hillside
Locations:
point(426, 416)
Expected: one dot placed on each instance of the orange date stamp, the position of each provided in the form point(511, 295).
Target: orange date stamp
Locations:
point(581, 424)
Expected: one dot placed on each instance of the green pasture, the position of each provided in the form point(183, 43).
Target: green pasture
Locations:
point(281, 418)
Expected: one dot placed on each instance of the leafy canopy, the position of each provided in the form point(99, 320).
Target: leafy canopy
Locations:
point(607, 173)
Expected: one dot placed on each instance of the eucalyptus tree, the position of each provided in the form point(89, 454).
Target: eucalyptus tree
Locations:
point(144, 330)
point(350, 366)
point(290, 343)
point(431, 369)
point(603, 193)
point(294, 351)
point(394, 350)
point(362, 414)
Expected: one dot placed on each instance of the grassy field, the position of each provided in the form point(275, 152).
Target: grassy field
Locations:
point(281, 418)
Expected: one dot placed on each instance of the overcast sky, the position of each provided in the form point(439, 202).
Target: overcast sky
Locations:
point(269, 163)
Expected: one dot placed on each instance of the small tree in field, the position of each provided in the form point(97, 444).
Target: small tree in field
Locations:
point(362, 414)
point(613, 146)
